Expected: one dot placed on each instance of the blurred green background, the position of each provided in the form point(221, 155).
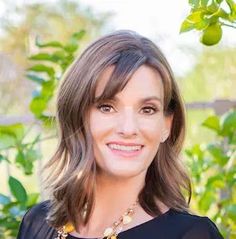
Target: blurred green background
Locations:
point(38, 40)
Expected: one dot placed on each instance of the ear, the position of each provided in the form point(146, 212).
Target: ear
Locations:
point(167, 128)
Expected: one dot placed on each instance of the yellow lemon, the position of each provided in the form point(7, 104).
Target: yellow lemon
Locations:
point(212, 34)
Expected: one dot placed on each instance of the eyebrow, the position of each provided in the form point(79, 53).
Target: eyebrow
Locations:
point(143, 100)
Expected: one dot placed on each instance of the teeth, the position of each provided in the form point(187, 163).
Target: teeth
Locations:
point(124, 148)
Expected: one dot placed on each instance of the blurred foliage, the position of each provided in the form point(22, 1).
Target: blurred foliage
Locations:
point(25, 22)
point(24, 154)
point(19, 143)
point(213, 75)
point(13, 208)
point(21, 24)
point(208, 17)
point(213, 167)
point(212, 78)
point(48, 71)
point(49, 65)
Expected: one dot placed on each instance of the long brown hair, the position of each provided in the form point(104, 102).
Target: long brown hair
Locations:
point(71, 181)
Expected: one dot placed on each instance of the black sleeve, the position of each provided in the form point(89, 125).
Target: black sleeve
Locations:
point(34, 225)
point(204, 229)
point(23, 227)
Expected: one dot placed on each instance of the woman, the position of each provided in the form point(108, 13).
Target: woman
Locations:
point(116, 172)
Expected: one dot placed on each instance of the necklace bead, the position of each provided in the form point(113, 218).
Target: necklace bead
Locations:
point(126, 219)
point(109, 232)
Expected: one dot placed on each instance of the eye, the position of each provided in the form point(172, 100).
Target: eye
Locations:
point(106, 108)
point(149, 110)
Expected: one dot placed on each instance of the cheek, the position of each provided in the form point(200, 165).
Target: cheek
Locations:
point(152, 130)
point(99, 127)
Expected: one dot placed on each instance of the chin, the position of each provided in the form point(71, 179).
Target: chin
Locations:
point(124, 173)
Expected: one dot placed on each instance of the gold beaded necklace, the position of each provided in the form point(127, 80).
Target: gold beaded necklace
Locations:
point(110, 232)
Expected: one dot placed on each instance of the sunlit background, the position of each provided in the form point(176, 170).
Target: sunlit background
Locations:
point(21, 21)
point(204, 74)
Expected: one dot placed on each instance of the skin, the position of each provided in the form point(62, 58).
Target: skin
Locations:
point(132, 117)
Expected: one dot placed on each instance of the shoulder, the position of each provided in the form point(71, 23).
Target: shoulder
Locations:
point(38, 211)
point(191, 226)
point(174, 225)
point(34, 224)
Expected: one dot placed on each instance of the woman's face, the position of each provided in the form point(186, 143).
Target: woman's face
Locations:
point(128, 129)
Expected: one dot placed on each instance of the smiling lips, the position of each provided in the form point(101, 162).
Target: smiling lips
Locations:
point(125, 150)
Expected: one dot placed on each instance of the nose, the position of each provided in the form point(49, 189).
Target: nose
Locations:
point(127, 125)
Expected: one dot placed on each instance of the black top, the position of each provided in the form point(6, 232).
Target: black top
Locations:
point(170, 225)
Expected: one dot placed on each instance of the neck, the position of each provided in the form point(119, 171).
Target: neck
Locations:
point(118, 191)
point(112, 199)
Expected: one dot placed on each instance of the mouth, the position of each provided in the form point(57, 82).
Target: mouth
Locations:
point(125, 150)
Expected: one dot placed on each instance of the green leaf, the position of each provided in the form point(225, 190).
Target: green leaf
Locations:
point(11, 134)
point(32, 199)
point(232, 6)
point(72, 44)
point(48, 89)
point(213, 7)
point(78, 35)
point(232, 138)
point(48, 44)
point(196, 20)
point(71, 47)
point(40, 101)
point(35, 78)
point(4, 158)
point(231, 211)
point(217, 152)
point(48, 121)
point(15, 130)
point(204, 3)
point(25, 160)
point(202, 24)
point(231, 175)
point(38, 105)
point(206, 200)
point(223, 14)
point(217, 181)
point(196, 152)
point(43, 57)
point(43, 68)
point(55, 57)
point(195, 17)
point(31, 155)
point(186, 26)
point(20, 157)
point(212, 122)
point(60, 55)
point(194, 3)
point(66, 62)
point(6, 141)
point(17, 190)
point(227, 123)
point(9, 223)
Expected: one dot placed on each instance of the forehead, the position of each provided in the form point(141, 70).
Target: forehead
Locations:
point(103, 80)
point(145, 81)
